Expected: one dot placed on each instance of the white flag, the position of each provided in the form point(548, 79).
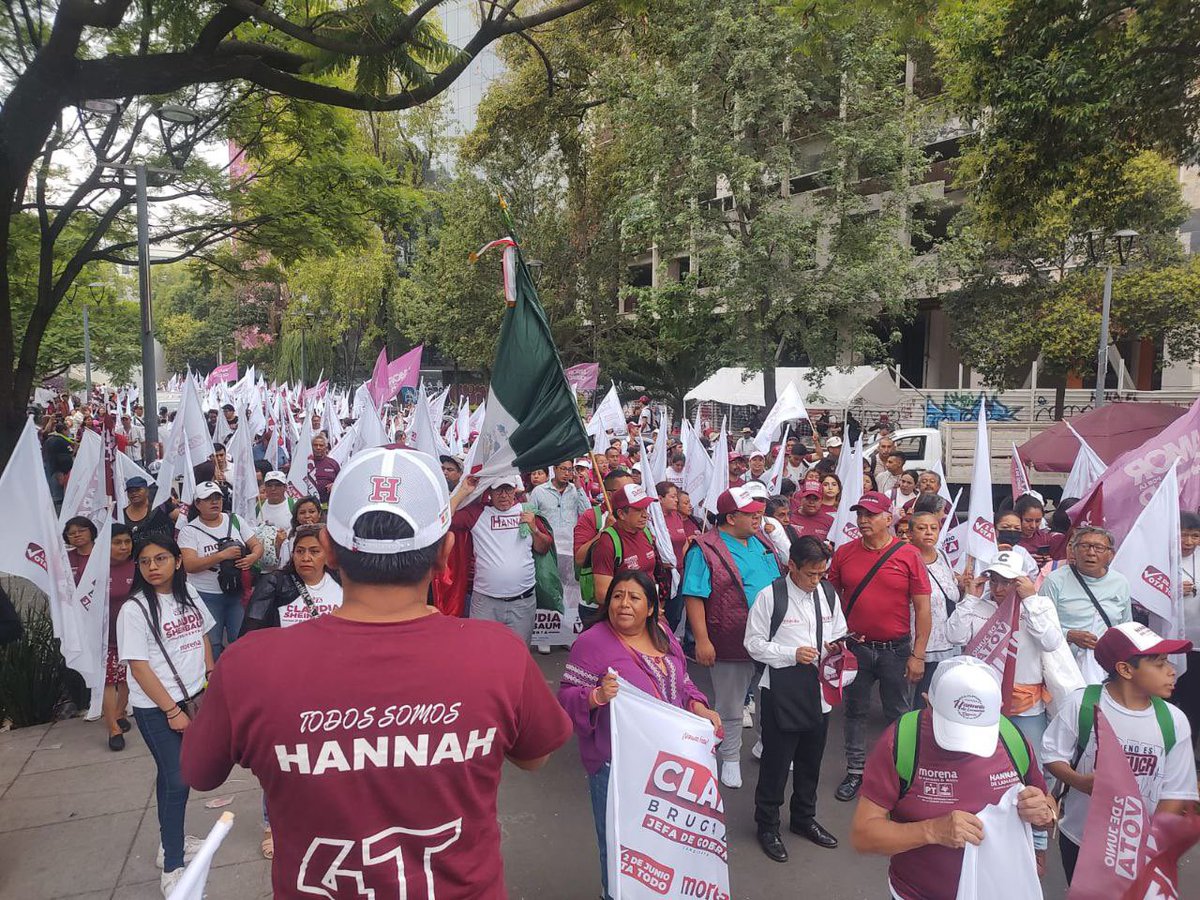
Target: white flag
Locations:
point(245, 481)
point(195, 876)
point(125, 468)
point(371, 430)
point(31, 544)
point(789, 406)
point(943, 488)
point(718, 482)
point(423, 435)
point(775, 476)
point(85, 616)
point(475, 425)
point(86, 493)
point(1149, 558)
point(658, 524)
point(300, 481)
point(845, 465)
point(658, 451)
point(697, 464)
point(608, 415)
point(666, 819)
point(981, 533)
point(1086, 470)
point(845, 521)
point(346, 446)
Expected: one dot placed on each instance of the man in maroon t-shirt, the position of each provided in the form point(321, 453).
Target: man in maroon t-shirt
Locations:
point(884, 585)
point(324, 468)
point(379, 731)
point(630, 505)
point(960, 766)
point(806, 517)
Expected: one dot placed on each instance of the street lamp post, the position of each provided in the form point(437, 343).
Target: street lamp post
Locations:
point(87, 356)
point(1124, 239)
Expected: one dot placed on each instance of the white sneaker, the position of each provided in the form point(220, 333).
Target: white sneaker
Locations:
point(756, 750)
point(169, 880)
point(544, 649)
point(731, 774)
point(191, 846)
point(748, 716)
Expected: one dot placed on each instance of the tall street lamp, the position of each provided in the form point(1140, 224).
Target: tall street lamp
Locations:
point(1124, 239)
point(87, 343)
point(173, 119)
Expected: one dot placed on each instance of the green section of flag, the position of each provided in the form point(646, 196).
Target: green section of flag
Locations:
point(529, 382)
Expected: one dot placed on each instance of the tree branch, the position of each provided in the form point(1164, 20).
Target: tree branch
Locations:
point(217, 29)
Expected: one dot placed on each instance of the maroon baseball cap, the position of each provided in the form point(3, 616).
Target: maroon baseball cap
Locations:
point(733, 454)
point(1123, 642)
point(738, 499)
point(873, 503)
point(810, 488)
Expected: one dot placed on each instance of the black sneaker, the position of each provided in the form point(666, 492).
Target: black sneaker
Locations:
point(116, 742)
point(848, 789)
point(124, 725)
point(772, 845)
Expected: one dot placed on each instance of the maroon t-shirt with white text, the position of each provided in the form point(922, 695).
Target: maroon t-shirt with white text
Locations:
point(379, 748)
point(637, 552)
point(943, 781)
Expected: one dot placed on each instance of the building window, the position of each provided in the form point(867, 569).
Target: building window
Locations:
point(931, 224)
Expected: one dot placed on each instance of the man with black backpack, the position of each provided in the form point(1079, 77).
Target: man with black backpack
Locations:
point(791, 625)
point(885, 595)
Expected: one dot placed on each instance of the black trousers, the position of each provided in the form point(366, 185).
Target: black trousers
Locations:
point(802, 750)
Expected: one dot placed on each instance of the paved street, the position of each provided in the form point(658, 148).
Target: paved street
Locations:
point(77, 820)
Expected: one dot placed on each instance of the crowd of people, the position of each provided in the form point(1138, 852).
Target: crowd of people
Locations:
point(388, 675)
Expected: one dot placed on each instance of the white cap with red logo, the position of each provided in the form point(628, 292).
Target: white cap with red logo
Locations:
point(406, 483)
point(965, 698)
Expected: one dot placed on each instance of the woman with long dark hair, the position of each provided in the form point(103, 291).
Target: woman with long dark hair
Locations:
point(162, 636)
point(307, 511)
point(626, 636)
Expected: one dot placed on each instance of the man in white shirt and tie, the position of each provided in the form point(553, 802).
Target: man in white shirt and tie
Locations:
point(791, 642)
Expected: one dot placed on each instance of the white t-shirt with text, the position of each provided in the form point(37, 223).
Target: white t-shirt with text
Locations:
point(277, 514)
point(195, 535)
point(326, 596)
point(182, 631)
point(503, 558)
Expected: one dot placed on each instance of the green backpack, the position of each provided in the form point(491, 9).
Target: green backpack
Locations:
point(908, 740)
point(1087, 721)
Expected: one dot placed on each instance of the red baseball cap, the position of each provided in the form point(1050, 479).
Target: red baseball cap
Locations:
point(873, 503)
point(838, 669)
point(738, 499)
point(1123, 642)
point(632, 496)
point(810, 489)
point(733, 454)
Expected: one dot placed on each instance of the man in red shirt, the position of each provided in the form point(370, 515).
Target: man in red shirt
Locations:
point(883, 584)
point(379, 732)
point(806, 515)
point(630, 505)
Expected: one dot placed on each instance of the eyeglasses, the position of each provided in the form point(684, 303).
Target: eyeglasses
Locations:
point(1097, 548)
point(159, 560)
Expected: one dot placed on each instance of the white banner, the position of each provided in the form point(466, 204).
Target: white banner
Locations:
point(845, 521)
point(665, 820)
point(85, 494)
point(608, 416)
point(85, 616)
point(789, 406)
point(980, 541)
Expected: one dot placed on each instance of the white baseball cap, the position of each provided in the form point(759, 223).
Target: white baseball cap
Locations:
point(207, 489)
point(1007, 564)
point(965, 698)
point(275, 476)
point(407, 483)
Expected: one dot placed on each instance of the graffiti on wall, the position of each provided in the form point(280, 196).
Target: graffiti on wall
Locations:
point(964, 407)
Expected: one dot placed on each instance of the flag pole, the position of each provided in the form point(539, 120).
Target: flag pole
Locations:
point(603, 489)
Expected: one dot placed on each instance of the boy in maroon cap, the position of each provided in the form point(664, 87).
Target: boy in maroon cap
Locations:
point(807, 517)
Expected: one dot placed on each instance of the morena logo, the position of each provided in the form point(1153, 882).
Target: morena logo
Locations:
point(36, 555)
point(384, 489)
point(1157, 579)
point(984, 528)
point(968, 706)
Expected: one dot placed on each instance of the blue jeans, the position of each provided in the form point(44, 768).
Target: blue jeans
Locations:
point(598, 788)
point(171, 791)
point(228, 612)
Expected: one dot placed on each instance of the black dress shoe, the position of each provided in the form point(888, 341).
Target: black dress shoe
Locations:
point(848, 789)
point(116, 742)
point(813, 831)
point(124, 725)
point(772, 845)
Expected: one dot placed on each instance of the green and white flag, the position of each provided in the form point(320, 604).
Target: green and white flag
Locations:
point(532, 420)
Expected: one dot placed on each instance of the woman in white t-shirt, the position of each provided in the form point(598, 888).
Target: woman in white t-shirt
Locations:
point(301, 590)
point(162, 638)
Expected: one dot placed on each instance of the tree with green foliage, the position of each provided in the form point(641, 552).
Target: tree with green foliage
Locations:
point(103, 56)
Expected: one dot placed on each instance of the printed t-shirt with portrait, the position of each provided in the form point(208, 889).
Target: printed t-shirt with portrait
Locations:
point(1160, 775)
point(881, 612)
point(637, 554)
point(182, 630)
point(381, 764)
point(503, 556)
point(203, 539)
point(326, 596)
point(943, 781)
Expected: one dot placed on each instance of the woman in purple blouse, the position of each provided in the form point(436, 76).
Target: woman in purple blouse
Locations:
point(625, 636)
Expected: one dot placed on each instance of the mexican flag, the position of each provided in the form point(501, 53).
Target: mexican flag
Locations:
point(532, 420)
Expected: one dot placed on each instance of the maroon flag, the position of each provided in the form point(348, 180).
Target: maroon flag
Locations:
point(996, 644)
point(1171, 836)
point(222, 374)
point(378, 385)
point(1018, 476)
point(404, 372)
point(1115, 836)
point(584, 376)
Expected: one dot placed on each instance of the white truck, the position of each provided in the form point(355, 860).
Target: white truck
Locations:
point(953, 444)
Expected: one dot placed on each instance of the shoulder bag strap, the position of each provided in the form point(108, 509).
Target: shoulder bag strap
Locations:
point(162, 648)
point(908, 732)
point(862, 585)
point(305, 596)
point(950, 604)
point(779, 599)
point(1096, 603)
point(830, 597)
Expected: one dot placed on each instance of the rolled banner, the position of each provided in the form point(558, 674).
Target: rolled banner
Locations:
point(195, 876)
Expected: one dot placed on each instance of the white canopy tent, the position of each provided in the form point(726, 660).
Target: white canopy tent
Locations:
point(837, 389)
